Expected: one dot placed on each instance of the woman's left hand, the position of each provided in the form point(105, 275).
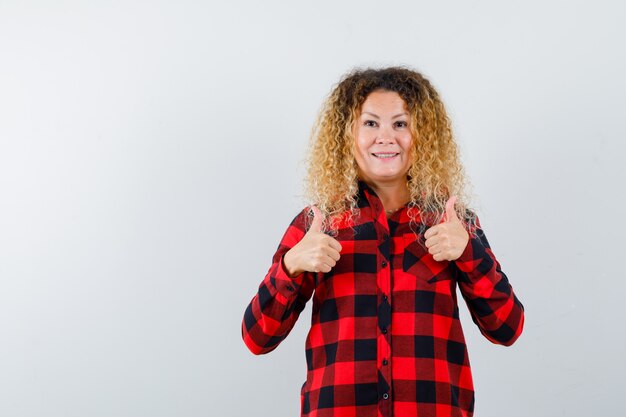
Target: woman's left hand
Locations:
point(447, 240)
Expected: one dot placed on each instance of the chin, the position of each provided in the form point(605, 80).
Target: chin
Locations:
point(388, 176)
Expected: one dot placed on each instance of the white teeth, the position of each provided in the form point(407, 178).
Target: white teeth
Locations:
point(385, 155)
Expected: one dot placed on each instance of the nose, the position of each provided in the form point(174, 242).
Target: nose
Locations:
point(385, 135)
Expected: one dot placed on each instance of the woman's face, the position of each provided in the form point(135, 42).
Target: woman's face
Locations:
point(383, 139)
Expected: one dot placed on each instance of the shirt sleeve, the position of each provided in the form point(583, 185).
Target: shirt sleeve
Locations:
point(492, 304)
point(280, 299)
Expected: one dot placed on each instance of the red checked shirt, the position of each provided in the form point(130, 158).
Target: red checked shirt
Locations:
point(385, 337)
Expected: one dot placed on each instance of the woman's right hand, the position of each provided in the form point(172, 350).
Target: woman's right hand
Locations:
point(316, 252)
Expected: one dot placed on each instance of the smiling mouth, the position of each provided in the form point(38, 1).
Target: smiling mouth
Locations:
point(385, 155)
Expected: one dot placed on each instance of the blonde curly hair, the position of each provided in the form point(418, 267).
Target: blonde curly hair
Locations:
point(435, 173)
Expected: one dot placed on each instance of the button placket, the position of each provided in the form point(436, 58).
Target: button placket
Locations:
point(384, 271)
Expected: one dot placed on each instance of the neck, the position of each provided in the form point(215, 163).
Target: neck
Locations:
point(393, 195)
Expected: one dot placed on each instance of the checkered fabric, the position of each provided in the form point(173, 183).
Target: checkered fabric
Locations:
point(385, 337)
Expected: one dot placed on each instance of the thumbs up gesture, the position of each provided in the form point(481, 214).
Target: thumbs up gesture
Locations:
point(447, 240)
point(316, 252)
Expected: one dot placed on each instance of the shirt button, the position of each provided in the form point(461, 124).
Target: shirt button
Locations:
point(385, 396)
point(385, 362)
point(384, 330)
point(384, 264)
point(385, 297)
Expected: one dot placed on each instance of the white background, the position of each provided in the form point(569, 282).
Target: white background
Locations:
point(151, 158)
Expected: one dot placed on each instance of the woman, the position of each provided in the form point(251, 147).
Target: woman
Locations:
point(381, 251)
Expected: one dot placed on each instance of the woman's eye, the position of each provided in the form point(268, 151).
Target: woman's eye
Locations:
point(370, 123)
point(401, 124)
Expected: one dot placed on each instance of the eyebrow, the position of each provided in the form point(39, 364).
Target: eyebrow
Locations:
point(376, 116)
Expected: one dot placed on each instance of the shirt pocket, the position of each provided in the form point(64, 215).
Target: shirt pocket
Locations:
point(418, 262)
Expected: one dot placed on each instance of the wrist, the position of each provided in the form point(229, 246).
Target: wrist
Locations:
point(288, 265)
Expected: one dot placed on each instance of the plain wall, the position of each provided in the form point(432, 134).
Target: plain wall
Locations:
point(151, 157)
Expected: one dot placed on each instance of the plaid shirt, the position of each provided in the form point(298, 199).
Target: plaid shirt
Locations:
point(385, 337)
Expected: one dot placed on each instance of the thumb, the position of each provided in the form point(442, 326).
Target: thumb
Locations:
point(450, 212)
point(316, 224)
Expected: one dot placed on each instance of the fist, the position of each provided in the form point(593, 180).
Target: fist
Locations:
point(447, 240)
point(316, 252)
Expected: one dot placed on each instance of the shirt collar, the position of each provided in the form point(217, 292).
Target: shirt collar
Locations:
point(364, 187)
point(367, 196)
